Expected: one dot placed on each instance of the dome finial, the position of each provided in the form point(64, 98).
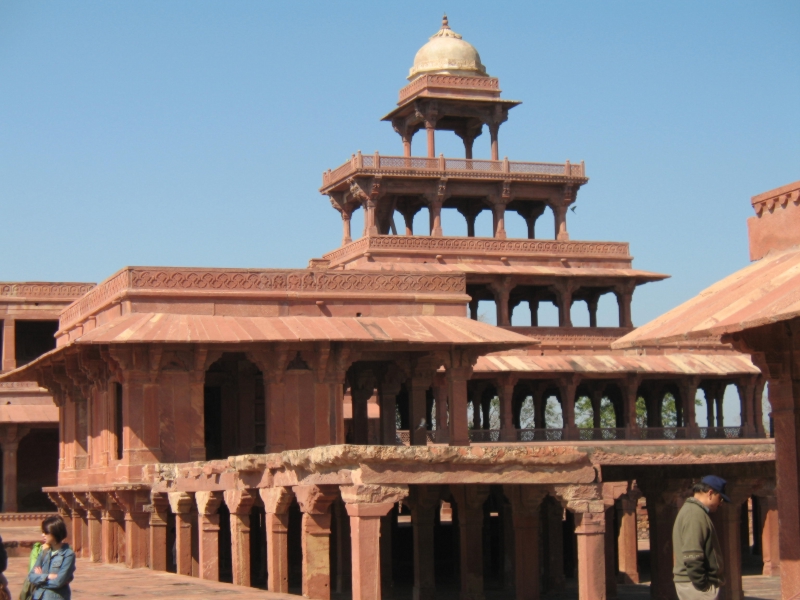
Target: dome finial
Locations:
point(445, 24)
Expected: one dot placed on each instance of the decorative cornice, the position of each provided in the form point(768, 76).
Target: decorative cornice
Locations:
point(266, 281)
point(491, 84)
point(16, 386)
point(479, 245)
point(779, 197)
point(54, 291)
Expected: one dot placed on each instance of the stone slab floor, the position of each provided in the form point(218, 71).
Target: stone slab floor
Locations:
point(96, 581)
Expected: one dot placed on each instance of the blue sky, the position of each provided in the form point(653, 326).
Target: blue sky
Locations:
point(195, 133)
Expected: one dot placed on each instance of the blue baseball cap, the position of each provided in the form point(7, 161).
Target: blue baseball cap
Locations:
point(717, 484)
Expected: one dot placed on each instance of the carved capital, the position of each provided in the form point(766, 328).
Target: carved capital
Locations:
point(315, 499)
point(276, 499)
point(180, 502)
point(208, 502)
point(239, 502)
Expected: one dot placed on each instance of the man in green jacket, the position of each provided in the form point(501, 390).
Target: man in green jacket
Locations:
point(699, 569)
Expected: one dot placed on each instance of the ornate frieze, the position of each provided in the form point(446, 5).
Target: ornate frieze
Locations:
point(56, 291)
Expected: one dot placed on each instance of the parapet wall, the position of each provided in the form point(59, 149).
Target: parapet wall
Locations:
point(776, 225)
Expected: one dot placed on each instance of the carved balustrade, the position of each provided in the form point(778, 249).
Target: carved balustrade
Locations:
point(375, 164)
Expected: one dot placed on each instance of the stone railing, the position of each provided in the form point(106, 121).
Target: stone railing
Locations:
point(481, 246)
point(407, 165)
point(610, 433)
point(243, 281)
point(54, 291)
point(488, 84)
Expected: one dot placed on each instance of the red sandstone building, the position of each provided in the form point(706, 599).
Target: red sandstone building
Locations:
point(330, 428)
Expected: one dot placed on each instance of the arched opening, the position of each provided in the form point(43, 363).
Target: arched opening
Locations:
point(607, 311)
point(37, 467)
point(234, 408)
point(579, 313)
point(484, 224)
point(553, 416)
point(357, 223)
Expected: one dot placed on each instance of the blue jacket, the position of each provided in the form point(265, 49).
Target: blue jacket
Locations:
point(62, 562)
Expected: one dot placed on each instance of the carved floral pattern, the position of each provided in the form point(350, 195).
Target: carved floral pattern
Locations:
point(258, 281)
point(396, 242)
point(65, 291)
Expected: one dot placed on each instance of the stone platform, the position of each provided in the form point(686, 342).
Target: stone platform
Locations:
point(94, 581)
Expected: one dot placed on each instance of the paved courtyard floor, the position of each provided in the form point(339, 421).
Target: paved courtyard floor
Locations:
point(96, 581)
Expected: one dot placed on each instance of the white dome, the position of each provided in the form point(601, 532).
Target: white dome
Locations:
point(448, 54)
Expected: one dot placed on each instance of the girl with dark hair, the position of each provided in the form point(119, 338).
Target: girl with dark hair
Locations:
point(55, 566)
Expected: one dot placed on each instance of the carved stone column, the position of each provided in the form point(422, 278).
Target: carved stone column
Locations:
point(499, 214)
point(113, 528)
point(502, 292)
point(315, 502)
point(526, 501)
point(587, 504)
point(624, 294)
point(10, 436)
point(563, 292)
point(440, 395)
point(158, 531)
point(424, 501)
point(276, 506)
point(93, 508)
point(239, 503)
point(469, 500)
point(568, 386)
point(75, 511)
point(505, 389)
point(457, 378)
point(770, 536)
point(664, 499)
point(182, 504)
point(365, 505)
point(627, 539)
point(208, 526)
point(9, 352)
point(688, 391)
point(137, 523)
point(746, 388)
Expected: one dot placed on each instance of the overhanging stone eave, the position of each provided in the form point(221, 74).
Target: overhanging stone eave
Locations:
point(406, 106)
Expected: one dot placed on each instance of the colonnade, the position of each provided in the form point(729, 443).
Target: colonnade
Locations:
point(132, 527)
point(508, 294)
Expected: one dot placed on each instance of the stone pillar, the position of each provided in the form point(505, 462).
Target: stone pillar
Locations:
point(568, 386)
point(554, 521)
point(208, 528)
point(610, 552)
point(406, 145)
point(728, 522)
point(770, 536)
point(499, 213)
point(457, 393)
point(315, 503)
point(276, 506)
point(746, 388)
point(10, 436)
point(560, 217)
point(624, 294)
point(113, 530)
point(627, 540)
point(564, 297)
point(76, 530)
point(469, 500)
point(473, 309)
point(137, 522)
point(430, 130)
point(590, 532)
point(346, 233)
point(389, 388)
point(435, 208)
point(688, 391)
point(94, 515)
point(494, 130)
point(182, 504)
point(502, 291)
point(786, 415)
point(9, 345)
point(505, 389)
point(158, 531)
point(424, 502)
point(630, 394)
point(239, 503)
point(526, 501)
point(365, 505)
point(591, 304)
